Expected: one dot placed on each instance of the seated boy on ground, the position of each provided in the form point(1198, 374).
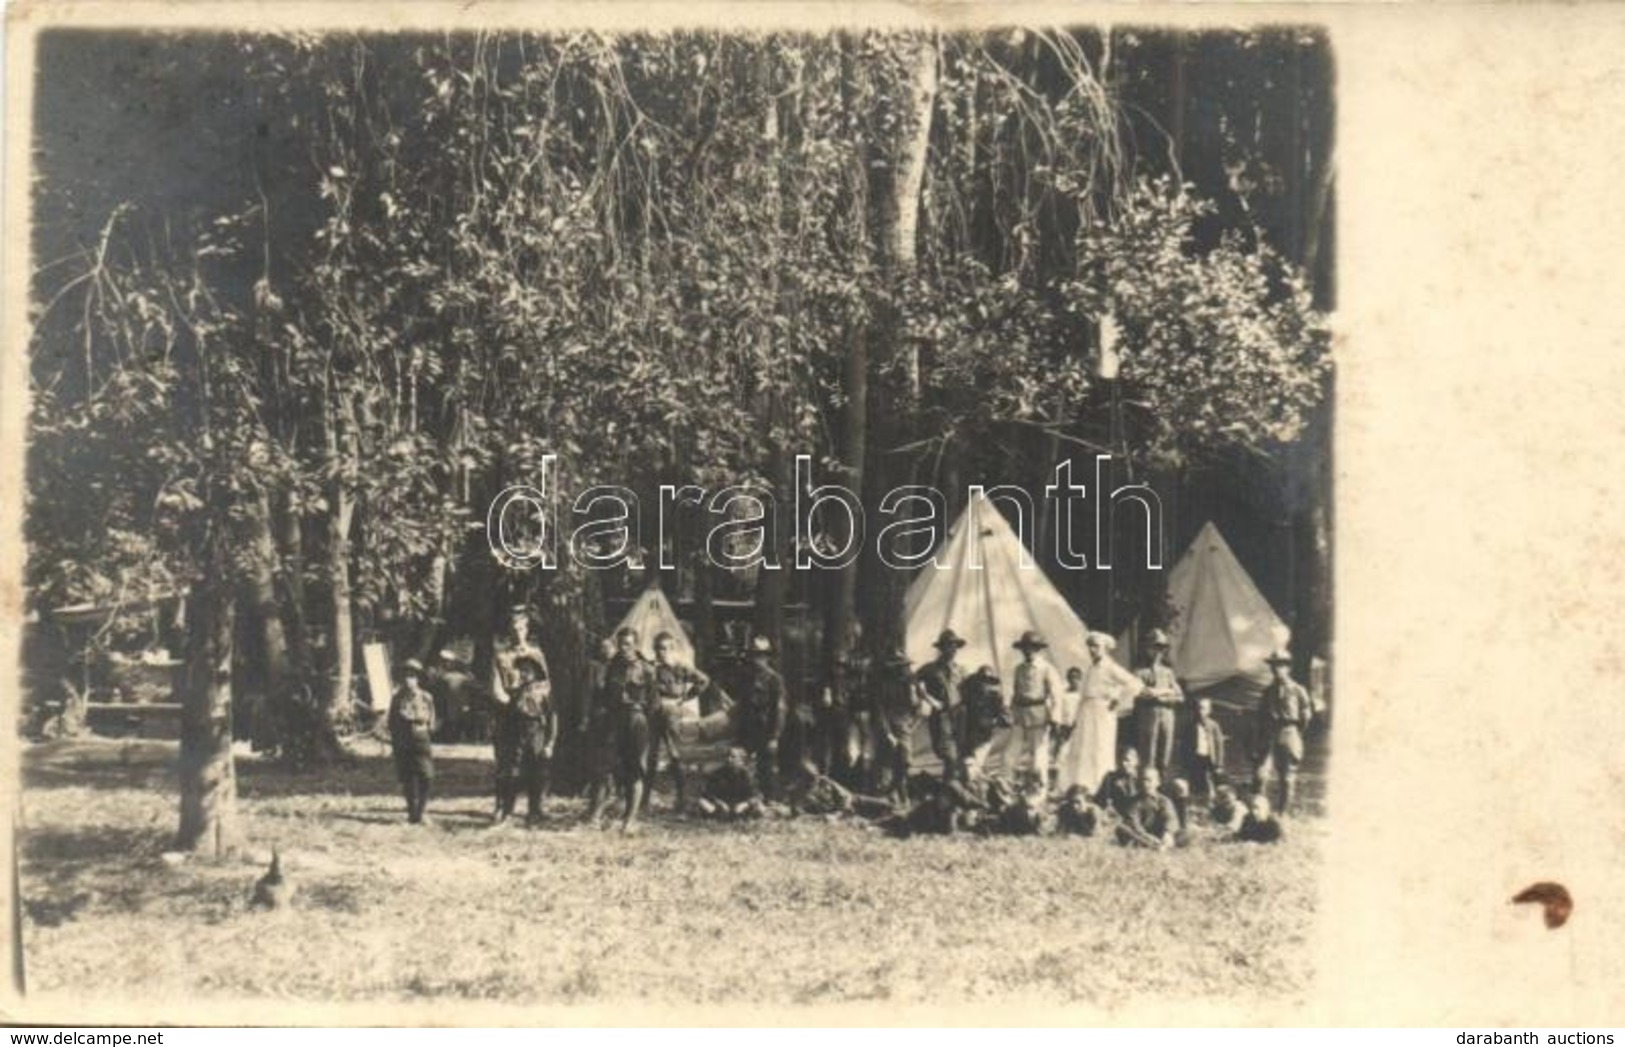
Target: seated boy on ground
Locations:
point(1260, 825)
point(731, 792)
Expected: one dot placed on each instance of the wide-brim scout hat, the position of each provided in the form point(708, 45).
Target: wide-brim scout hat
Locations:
point(1030, 641)
point(761, 645)
point(1103, 639)
point(949, 639)
point(1280, 656)
point(412, 667)
point(897, 656)
point(1157, 639)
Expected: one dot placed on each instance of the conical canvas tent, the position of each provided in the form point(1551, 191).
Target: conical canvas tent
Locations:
point(1224, 628)
point(652, 615)
point(986, 588)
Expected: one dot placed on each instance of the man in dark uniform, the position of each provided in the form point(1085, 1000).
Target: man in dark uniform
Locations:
point(411, 723)
point(760, 714)
point(629, 693)
point(677, 691)
point(510, 647)
point(985, 713)
point(939, 684)
point(897, 705)
point(1284, 713)
point(535, 727)
point(838, 714)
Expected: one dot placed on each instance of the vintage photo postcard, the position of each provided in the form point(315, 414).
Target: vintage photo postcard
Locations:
point(812, 515)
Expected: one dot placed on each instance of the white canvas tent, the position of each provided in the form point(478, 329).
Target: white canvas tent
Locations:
point(1224, 628)
point(986, 588)
point(652, 615)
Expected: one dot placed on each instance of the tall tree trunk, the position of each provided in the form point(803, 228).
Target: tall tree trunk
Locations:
point(771, 586)
point(896, 177)
point(291, 540)
point(208, 776)
point(341, 454)
point(259, 590)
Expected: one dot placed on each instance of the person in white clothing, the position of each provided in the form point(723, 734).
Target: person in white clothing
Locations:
point(1106, 691)
point(1035, 693)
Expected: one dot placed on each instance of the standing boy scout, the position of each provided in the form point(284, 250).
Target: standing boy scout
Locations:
point(896, 714)
point(514, 644)
point(1283, 717)
point(676, 686)
point(1156, 705)
point(411, 722)
point(838, 715)
point(1207, 750)
point(1035, 690)
point(596, 730)
point(535, 727)
point(629, 692)
point(761, 711)
point(939, 684)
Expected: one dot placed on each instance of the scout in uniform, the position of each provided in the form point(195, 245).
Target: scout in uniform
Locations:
point(1283, 717)
point(1156, 705)
point(535, 727)
point(896, 715)
point(837, 717)
point(1152, 821)
point(677, 691)
point(761, 710)
point(939, 684)
point(514, 644)
point(1034, 693)
point(411, 723)
point(629, 692)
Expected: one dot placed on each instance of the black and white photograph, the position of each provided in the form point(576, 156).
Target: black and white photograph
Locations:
point(701, 518)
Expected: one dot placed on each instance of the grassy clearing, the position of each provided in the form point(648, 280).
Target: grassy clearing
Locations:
point(794, 911)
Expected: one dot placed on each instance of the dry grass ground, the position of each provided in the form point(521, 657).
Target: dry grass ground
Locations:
point(792, 911)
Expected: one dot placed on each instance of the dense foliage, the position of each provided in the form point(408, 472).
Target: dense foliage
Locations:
point(651, 255)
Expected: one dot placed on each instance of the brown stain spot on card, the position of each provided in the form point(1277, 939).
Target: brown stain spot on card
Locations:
point(1553, 897)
